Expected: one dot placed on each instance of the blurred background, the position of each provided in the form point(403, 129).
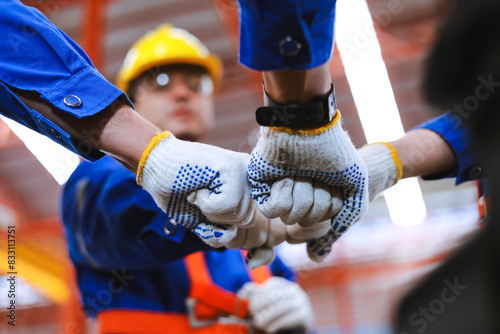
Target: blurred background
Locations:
point(393, 246)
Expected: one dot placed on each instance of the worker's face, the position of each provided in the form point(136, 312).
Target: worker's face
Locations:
point(178, 99)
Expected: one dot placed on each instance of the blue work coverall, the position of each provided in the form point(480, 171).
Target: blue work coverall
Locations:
point(114, 229)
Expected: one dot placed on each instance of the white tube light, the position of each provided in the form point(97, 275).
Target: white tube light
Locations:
point(372, 92)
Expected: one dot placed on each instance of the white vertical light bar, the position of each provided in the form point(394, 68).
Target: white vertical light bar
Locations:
point(372, 93)
point(56, 159)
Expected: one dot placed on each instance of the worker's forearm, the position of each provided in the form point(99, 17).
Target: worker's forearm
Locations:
point(117, 130)
point(124, 136)
point(424, 152)
point(297, 86)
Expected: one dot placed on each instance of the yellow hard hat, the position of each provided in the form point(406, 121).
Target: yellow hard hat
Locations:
point(163, 46)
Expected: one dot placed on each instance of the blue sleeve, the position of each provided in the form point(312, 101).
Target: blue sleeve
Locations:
point(453, 130)
point(286, 34)
point(278, 268)
point(37, 56)
point(111, 222)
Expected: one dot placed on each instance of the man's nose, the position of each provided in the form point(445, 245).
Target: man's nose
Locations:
point(179, 88)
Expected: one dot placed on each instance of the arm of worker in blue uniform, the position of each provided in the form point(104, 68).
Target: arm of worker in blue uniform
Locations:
point(111, 222)
point(168, 163)
point(48, 84)
point(452, 128)
point(299, 171)
point(439, 148)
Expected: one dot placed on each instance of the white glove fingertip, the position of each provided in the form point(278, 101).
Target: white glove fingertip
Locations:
point(215, 235)
point(321, 204)
point(318, 249)
point(260, 256)
point(219, 209)
point(192, 197)
point(247, 289)
point(292, 321)
point(302, 199)
point(280, 200)
point(298, 234)
point(336, 204)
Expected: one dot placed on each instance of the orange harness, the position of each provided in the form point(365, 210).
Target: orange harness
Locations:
point(208, 305)
point(483, 203)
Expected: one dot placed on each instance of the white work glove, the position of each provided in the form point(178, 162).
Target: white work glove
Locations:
point(384, 170)
point(259, 239)
point(277, 304)
point(319, 248)
point(198, 184)
point(384, 167)
point(302, 175)
point(264, 234)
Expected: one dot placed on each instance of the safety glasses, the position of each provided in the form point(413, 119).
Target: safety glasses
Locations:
point(164, 80)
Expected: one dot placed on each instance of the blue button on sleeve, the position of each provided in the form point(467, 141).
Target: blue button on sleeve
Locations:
point(37, 56)
point(265, 25)
point(93, 90)
point(157, 226)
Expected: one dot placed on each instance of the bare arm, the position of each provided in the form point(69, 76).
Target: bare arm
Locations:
point(424, 152)
point(297, 86)
point(117, 130)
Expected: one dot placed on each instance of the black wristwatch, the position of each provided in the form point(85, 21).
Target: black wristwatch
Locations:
point(315, 113)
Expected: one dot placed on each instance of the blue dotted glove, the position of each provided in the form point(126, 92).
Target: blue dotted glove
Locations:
point(198, 183)
point(216, 235)
point(384, 169)
point(308, 176)
point(319, 248)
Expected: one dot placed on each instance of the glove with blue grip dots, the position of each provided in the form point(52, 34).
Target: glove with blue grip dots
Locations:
point(264, 234)
point(299, 175)
point(384, 167)
point(384, 170)
point(278, 306)
point(198, 183)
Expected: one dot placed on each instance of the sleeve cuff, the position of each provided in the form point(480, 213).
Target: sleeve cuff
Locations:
point(452, 129)
point(296, 36)
point(85, 94)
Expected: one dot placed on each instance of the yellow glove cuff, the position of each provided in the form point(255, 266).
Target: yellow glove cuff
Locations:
point(395, 158)
point(145, 155)
point(312, 131)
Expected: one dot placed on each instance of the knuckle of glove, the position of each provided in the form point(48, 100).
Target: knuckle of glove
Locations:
point(299, 234)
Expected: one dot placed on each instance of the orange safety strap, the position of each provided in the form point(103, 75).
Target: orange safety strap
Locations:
point(147, 322)
point(211, 298)
point(483, 202)
point(258, 275)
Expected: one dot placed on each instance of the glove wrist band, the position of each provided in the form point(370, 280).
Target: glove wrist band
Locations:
point(315, 113)
point(145, 155)
point(395, 159)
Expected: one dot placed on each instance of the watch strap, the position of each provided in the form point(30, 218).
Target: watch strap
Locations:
point(315, 113)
